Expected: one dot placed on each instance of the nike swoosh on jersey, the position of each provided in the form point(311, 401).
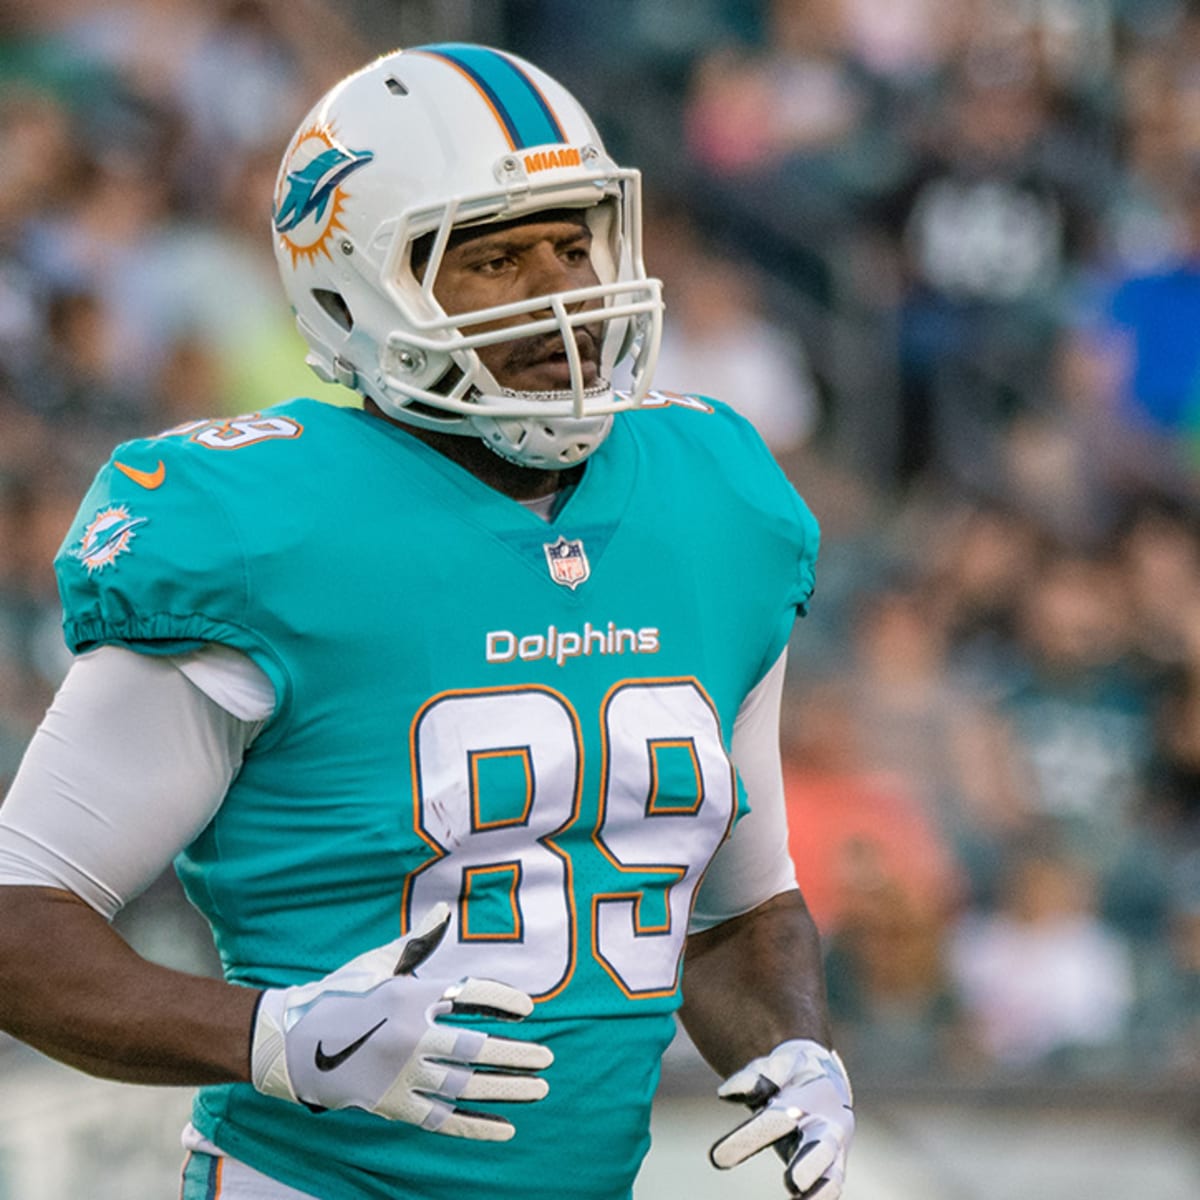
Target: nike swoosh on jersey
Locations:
point(147, 479)
point(328, 1062)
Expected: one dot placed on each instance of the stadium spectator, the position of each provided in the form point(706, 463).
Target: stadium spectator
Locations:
point(855, 824)
point(1043, 981)
point(891, 995)
point(996, 203)
point(721, 343)
point(1082, 715)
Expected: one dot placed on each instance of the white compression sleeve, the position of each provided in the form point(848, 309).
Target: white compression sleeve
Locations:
point(754, 863)
point(129, 764)
point(230, 678)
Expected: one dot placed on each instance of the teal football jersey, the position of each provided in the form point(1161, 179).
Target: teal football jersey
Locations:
point(528, 720)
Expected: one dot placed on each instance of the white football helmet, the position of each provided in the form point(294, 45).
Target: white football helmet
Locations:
point(417, 143)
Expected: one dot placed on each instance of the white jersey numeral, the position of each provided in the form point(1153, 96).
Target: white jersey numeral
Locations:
point(652, 730)
point(247, 431)
point(525, 744)
point(497, 777)
point(236, 432)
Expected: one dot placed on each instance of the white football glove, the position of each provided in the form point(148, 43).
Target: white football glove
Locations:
point(367, 1036)
point(803, 1107)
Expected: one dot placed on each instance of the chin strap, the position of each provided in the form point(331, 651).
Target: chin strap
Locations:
point(548, 445)
point(544, 443)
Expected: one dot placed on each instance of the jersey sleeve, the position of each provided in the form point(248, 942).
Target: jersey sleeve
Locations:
point(153, 558)
point(764, 534)
point(792, 536)
point(807, 538)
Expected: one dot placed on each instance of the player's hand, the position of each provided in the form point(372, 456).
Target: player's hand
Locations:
point(368, 1036)
point(803, 1107)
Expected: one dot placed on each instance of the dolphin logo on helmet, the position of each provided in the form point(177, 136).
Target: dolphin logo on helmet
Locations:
point(310, 190)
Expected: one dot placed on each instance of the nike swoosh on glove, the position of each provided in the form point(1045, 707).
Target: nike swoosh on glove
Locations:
point(368, 1036)
point(803, 1107)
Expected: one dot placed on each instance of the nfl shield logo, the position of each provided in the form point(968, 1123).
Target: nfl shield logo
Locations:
point(567, 561)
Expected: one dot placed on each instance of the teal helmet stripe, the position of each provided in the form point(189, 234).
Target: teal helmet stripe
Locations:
point(514, 98)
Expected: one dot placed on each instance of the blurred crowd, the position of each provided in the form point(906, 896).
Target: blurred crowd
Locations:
point(946, 255)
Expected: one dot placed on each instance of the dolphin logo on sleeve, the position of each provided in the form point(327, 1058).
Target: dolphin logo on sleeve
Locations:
point(106, 537)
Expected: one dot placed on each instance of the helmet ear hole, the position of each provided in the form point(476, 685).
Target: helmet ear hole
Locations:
point(334, 305)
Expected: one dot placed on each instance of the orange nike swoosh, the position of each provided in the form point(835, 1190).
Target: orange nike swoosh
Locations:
point(147, 479)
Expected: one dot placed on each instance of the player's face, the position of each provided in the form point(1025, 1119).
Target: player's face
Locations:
point(518, 262)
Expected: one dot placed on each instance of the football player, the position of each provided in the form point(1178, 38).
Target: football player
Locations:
point(436, 702)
